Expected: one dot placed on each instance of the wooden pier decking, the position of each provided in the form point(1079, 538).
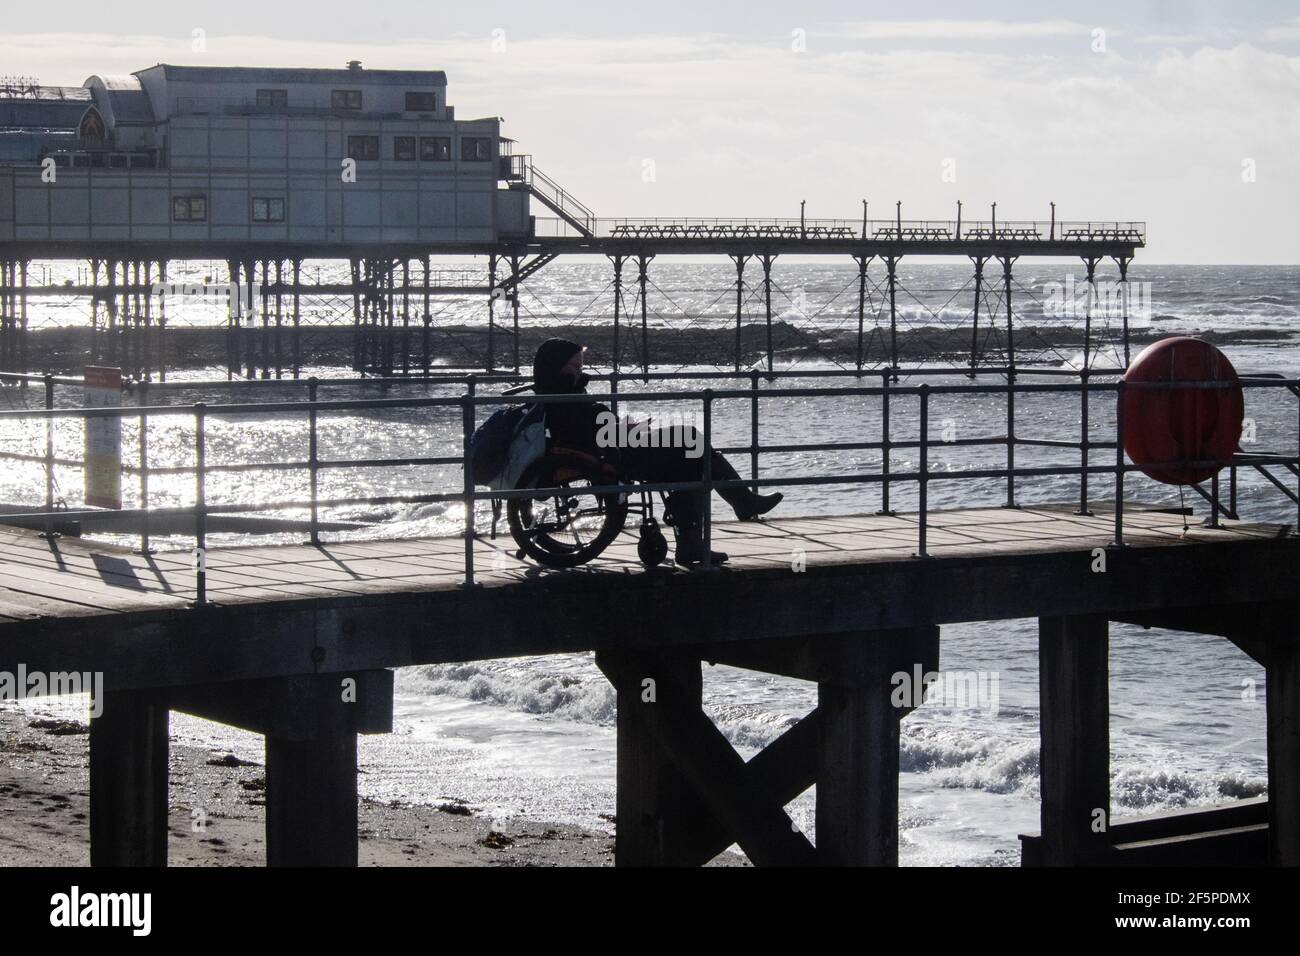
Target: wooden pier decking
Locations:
point(841, 600)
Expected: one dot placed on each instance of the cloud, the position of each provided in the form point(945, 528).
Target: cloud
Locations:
point(958, 29)
point(1287, 31)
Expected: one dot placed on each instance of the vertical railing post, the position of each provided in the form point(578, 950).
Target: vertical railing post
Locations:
point(200, 507)
point(1083, 444)
point(706, 523)
point(144, 468)
point(313, 459)
point(924, 480)
point(1011, 441)
point(1214, 500)
point(467, 428)
point(885, 449)
point(753, 426)
point(1119, 465)
point(49, 454)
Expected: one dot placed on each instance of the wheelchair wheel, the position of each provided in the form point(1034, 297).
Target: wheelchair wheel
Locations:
point(568, 529)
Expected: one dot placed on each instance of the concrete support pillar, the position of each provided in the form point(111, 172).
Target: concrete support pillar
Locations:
point(1074, 719)
point(311, 799)
point(1283, 702)
point(857, 775)
point(658, 812)
point(128, 781)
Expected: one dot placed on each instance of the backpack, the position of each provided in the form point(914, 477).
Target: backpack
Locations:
point(490, 458)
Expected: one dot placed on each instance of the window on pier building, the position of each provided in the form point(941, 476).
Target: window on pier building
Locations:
point(189, 208)
point(363, 147)
point(404, 148)
point(268, 209)
point(272, 99)
point(345, 99)
point(475, 148)
point(421, 102)
point(435, 149)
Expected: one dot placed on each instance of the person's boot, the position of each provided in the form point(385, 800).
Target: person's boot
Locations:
point(686, 510)
point(747, 504)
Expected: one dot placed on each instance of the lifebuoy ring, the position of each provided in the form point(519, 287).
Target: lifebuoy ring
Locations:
point(1166, 430)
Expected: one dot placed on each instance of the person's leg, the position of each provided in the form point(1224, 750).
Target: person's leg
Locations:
point(666, 463)
point(677, 455)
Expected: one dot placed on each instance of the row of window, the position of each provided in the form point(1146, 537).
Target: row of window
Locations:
point(423, 148)
point(98, 159)
point(347, 100)
point(195, 209)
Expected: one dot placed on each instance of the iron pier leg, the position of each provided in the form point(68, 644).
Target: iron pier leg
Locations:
point(643, 263)
point(1006, 294)
point(297, 318)
point(975, 324)
point(766, 259)
point(891, 264)
point(492, 302)
point(863, 262)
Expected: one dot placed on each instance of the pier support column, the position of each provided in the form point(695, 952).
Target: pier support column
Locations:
point(857, 775)
point(740, 260)
point(514, 316)
point(975, 314)
point(128, 781)
point(767, 259)
point(297, 317)
point(1007, 262)
point(684, 794)
point(891, 266)
point(162, 322)
point(489, 363)
point(310, 724)
point(1122, 263)
point(1074, 722)
point(1091, 265)
point(427, 319)
point(863, 262)
point(1283, 701)
point(658, 813)
point(311, 799)
point(643, 265)
point(866, 684)
point(616, 358)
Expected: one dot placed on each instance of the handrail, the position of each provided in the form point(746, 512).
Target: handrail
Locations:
point(891, 230)
point(471, 400)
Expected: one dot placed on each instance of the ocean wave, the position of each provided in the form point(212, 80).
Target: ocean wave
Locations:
point(543, 693)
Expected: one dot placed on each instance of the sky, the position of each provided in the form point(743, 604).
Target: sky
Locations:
point(1185, 115)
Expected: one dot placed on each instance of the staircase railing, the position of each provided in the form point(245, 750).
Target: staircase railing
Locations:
point(552, 194)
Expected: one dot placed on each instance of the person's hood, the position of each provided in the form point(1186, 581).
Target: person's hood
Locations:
point(553, 355)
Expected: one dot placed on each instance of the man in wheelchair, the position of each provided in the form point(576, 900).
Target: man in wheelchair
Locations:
point(557, 370)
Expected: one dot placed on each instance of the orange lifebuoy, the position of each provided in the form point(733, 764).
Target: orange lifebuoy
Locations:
point(1181, 436)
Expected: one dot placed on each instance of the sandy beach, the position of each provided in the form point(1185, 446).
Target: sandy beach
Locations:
point(44, 812)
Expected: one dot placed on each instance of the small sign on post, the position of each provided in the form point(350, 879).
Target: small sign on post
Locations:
point(103, 389)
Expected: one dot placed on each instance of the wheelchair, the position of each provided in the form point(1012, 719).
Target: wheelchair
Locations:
point(574, 525)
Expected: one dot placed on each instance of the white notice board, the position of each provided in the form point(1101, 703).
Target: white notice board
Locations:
point(103, 438)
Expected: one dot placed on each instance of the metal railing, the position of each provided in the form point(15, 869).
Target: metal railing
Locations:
point(890, 230)
point(574, 214)
point(471, 403)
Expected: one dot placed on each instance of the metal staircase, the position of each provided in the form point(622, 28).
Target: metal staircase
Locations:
point(549, 193)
